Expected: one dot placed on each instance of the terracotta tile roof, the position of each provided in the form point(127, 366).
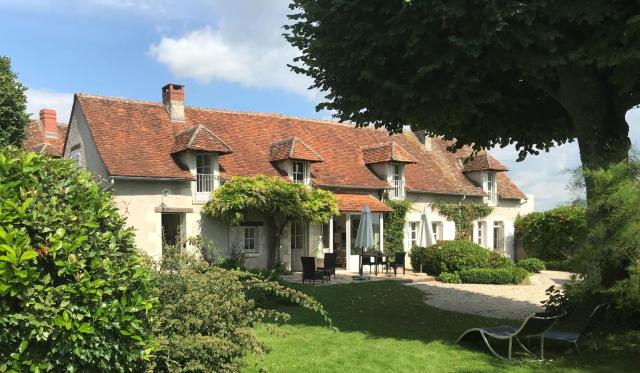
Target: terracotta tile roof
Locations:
point(292, 148)
point(199, 138)
point(356, 202)
point(483, 162)
point(135, 138)
point(386, 152)
point(37, 141)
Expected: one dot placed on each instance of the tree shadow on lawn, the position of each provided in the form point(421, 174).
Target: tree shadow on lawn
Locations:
point(388, 309)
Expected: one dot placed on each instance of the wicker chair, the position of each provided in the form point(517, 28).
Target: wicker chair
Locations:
point(309, 270)
point(329, 265)
point(398, 262)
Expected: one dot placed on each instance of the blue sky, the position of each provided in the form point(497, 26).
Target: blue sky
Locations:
point(229, 54)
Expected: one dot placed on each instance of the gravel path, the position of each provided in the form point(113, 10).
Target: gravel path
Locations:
point(497, 301)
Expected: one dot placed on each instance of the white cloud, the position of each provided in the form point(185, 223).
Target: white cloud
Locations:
point(40, 99)
point(246, 47)
point(547, 175)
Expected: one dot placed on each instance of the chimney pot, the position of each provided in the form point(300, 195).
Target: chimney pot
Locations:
point(49, 120)
point(173, 101)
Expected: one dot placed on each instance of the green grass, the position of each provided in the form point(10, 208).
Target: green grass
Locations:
point(385, 326)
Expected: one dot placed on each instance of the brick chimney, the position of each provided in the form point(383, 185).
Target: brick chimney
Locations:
point(173, 100)
point(49, 120)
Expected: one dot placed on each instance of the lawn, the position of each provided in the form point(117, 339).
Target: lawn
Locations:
point(385, 326)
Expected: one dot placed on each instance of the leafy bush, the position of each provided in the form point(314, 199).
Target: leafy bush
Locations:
point(497, 260)
point(560, 265)
point(450, 278)
point(505, 275)
point(555, 234)
point(450, 256)
point(533, 265)
point(206, 315)
point(394, 222)
point(74, 290)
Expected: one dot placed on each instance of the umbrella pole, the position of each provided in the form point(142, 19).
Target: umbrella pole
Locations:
point(360, 260)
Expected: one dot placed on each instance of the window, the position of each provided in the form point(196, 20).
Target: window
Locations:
point(397, 181)
point(498, 236)
point(298, 170)
point(297, 236)
point(326, 235)
point(413, 233)
point(205, 177)
point(250, 239)
point(436, 226)
point(479, 232)
point(491, 189)
point(75, 154)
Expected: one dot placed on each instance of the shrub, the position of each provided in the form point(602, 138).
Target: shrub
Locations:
point(450, 256)
point(206, 315)
point(497, 260)
point(559, 265)
point(450, 278)
point(556, 234)
point(533, 265)
point(74, 290)
point(505, 275)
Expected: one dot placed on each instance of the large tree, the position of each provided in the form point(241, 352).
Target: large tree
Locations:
point(485, 73)
point(13, 106)
point(279, 200)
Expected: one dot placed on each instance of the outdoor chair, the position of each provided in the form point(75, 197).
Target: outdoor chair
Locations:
point(397, 263)
point(370, 260)
point(535, 325)
point(309, 270)
point(329, 265)
point(574, 338)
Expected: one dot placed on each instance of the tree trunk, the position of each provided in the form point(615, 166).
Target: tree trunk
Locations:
point(599, 121)
point(274, 247)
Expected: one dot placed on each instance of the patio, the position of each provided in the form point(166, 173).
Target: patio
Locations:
point(346, 277)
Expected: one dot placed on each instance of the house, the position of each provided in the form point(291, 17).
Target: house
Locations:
point(162, 160)
point(45, 135)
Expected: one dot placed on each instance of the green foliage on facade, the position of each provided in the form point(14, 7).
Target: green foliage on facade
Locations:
point(275, 198)
point(74, 290)
point(556, 234)
point(394, 226)
point(13, 106)
point(463, 216)
point(207, 314)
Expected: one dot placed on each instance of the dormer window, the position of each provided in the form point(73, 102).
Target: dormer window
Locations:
point(491, 188)
point(299, 172)
point(396, 177)
point(205, 175)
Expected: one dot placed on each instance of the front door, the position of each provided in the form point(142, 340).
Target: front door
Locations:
point(298, 245)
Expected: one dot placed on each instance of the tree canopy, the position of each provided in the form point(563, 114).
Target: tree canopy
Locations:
point(484, 73)
point(13, 106)
point(273, 197)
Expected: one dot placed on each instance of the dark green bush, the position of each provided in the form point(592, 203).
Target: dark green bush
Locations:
point(450, 256)
point(533, 265)
point(560, 265)
point(497, 260)
point(74, 290)
point(555, 234)
point(450, 278)
point(207, 314)
point(505, 275)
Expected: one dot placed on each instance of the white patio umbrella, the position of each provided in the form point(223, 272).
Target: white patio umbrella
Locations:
point(364, 238)
point(427, 237)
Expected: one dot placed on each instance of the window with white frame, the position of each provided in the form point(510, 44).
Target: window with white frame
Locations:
point(413, 233)
point(298, 236)
point(205, 178)
point(491, 188)
point(498, 236)
point(480, 233)
point(397, 180)
point(298, 171)
point(250, 242)
point(436, 226)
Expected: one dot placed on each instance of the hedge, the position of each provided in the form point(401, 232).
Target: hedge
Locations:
point(505, 275)
point(533, 265)
point(454, 256)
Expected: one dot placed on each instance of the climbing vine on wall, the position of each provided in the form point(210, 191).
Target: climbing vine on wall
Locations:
point(463, 215)
point(394, 226)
